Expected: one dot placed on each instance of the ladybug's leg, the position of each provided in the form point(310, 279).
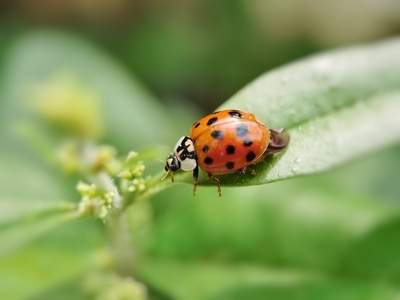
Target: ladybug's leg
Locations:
point(245, 170)
point(216, 180)
point(195, 177)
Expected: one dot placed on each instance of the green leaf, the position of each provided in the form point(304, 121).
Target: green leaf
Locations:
point(337, 107)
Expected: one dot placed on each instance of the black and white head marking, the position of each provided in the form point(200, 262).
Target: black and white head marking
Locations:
point(184, 156)
point(184, 150)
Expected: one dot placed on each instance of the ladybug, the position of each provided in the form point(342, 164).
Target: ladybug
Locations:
point(224, 142)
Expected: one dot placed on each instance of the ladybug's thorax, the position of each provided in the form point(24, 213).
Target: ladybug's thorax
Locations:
point(185, 153)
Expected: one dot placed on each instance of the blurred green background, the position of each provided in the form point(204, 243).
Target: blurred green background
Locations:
point(202, 52)
point(142, 66)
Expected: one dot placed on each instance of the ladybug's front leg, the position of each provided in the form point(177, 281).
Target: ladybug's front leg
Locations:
point(216, 180)
point(195, 177)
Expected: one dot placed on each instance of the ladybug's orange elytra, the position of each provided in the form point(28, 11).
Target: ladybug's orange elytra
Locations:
point(224, 142)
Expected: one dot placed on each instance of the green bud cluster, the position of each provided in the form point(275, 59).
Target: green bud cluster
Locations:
point(95, 200)
point(132, 174)
point(108, 286)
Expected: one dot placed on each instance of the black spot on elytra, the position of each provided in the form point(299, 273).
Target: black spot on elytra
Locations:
point(208, 160)
point(230, 149)
point(235, 114)
point(247, 142)
point(217, 134)
point(250, 156)
point(241, 130)
point(212, 121)
point(230, 165)
point(205, 149)
point(197, 125)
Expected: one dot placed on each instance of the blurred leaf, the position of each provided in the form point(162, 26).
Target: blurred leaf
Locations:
point(337, 106)
point(23, 179)
point(30, 202)
point(195, 280)
point(305, 231)
point(375, 177)
point(329, 290)
point(59, 257)
point(66, 291)
point(35, 219)
point(33, 191)
point(303, 224)
point(130, 115)
point(376, 255)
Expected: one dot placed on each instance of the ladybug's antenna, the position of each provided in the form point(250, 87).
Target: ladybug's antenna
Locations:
point(163, 162)
point(165, 175)
point(168, 173)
